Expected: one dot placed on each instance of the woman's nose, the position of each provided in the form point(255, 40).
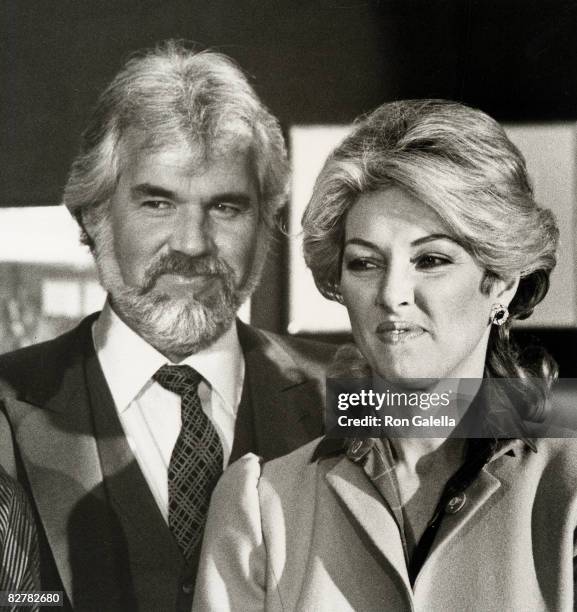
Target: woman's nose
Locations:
point(396, 287)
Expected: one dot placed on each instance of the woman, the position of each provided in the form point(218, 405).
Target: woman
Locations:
point(423, 223)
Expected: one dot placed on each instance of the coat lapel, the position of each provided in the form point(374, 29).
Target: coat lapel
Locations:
point(477, 495)
point(59, 455)
point(366, 507)
point(124, 481)
point(285, 400)
point(54, 434)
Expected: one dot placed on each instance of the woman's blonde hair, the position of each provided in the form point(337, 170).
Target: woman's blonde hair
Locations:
point(460, 162)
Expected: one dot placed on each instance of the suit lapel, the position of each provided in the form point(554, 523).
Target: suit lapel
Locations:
point(127, 488)
point(59, 455)
point(286, 404)
point(244, 427)
point(366, 507)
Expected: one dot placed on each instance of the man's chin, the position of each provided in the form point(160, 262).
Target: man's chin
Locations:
point(170, 320)
point(208, 305)
point(176, 326)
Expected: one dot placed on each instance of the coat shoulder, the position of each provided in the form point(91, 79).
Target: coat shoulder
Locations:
point(321, 352)
point(559, 455)
point(251, 471)
point(42, 365)
point(299, 459)
point(310, 353)
point(241, 475)
point(289, 475)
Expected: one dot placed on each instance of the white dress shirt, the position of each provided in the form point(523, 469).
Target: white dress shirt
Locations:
point(149, 413)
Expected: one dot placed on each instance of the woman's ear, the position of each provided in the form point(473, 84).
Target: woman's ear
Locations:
point(503, 290)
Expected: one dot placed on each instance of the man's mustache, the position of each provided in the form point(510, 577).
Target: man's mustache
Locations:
point(186, 266)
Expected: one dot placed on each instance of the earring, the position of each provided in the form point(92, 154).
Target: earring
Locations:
point(499, 314)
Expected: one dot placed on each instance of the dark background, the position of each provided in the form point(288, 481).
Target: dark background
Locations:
point(313, 62)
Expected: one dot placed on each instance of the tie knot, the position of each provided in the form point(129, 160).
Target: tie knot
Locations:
point(179, 379)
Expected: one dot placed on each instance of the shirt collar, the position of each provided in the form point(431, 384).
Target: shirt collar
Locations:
point(129, 362)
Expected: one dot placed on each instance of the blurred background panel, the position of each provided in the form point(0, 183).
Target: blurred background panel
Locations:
point(316, 63)
point(47, 279)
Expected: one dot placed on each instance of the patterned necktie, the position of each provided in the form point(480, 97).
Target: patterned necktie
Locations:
point(196, 461)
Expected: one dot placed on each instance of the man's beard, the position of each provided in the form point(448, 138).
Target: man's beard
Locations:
point(175, 326)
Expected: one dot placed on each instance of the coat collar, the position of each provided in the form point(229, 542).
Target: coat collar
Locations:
point(367, 509)
point(488, 417)
point(356, 448)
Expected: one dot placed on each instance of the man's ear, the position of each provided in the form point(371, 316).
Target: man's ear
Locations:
point(90, 219)
point(85, 237)
point(503, 290)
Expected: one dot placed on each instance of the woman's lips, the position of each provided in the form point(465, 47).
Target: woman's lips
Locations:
point(396, 332)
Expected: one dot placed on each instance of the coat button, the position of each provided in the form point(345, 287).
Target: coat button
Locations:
point(456, 503)
point(356, 446)
point(357, 450)
point(187, 588)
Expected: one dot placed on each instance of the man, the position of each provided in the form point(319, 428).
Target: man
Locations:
point(121, 427)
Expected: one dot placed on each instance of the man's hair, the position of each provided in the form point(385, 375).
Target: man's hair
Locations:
point(170, 95)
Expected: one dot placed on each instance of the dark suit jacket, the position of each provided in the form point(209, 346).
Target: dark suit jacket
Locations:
point(103, 538)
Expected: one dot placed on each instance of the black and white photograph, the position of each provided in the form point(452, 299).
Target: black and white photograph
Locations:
point(288, 305)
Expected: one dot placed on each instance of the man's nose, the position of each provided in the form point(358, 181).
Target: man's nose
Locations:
point(191, 233)
point(396, 287)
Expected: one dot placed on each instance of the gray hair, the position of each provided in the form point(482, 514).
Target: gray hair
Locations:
point(171, 94)
point(460, 162)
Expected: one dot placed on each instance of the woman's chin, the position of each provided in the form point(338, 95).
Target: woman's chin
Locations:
point(415, 377)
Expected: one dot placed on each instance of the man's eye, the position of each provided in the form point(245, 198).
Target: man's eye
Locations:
point(225, 209)
point(427, 262)
point(360, 264)
point(157, 204)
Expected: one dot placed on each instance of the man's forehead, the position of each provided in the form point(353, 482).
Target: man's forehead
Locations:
point(139, 151)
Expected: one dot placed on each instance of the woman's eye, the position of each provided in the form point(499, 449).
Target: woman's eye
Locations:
point(360, 264)
point(426, 262)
